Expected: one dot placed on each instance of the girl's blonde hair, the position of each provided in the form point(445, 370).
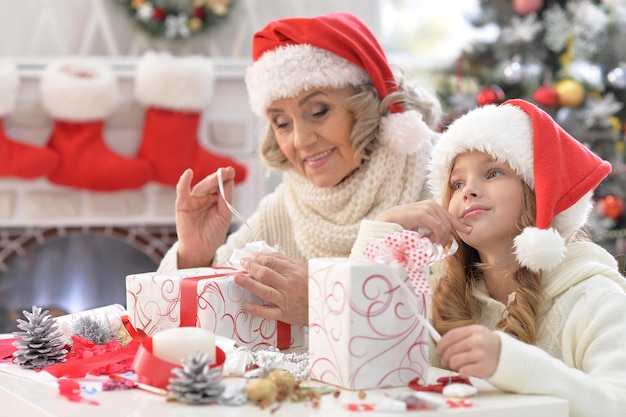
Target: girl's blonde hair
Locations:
point(368, 110)
point(452, 302)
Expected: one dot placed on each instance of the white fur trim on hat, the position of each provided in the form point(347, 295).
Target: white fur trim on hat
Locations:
point(176, 83)
point(79, 89)
point(543, 249)
point(539, 249)
point(505, 133)
point(405, 132)
point(9, 83)
point(286, 71)
point(574, 217)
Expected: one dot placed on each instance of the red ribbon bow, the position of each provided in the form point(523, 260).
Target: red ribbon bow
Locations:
point(411, 250)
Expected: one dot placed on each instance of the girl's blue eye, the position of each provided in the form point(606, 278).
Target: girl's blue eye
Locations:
point(495, 173)
point(457, 186)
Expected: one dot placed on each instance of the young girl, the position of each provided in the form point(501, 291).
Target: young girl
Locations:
point(527, 302)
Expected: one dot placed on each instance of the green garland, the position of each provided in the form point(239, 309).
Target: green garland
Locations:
point(176, 19)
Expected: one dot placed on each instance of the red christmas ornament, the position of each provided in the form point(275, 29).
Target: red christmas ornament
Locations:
point(545, 96)
point(490, 95)
point(159, 14)
point(198, 12)
point(524, 7)
point(611, 206)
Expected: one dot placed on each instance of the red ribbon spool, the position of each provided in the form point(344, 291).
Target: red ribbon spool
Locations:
point(156, 372)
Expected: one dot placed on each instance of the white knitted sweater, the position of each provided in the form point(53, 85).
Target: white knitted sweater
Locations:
point(306, 221)
point(580, 353)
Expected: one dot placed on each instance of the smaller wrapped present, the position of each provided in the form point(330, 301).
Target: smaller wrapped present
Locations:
point(368, 325)
point(207, 298)
point(363, 332)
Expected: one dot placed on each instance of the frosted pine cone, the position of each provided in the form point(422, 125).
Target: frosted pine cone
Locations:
point(196, 383)
point(93, 330)
point(40, 343)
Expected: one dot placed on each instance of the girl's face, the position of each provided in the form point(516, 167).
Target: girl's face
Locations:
point(488, 196)
point(313, 131)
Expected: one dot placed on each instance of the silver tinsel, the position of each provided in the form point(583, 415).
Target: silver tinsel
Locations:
point(195, 382)
point(266, 360)
point(39, 343)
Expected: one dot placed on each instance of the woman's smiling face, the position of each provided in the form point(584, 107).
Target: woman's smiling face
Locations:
point(313, 131)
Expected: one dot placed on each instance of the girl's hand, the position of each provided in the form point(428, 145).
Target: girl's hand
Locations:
point(202, 217)
point(425, 214)
point(470, 350)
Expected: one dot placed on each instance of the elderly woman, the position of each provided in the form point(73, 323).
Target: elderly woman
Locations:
point(352, 139)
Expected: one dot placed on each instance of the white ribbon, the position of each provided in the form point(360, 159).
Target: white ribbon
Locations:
point(176, 25)
point(220, 184)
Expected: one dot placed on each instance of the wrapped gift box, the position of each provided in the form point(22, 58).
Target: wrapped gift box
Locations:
point(206, 298)
point(363, 328)
point(109, 316)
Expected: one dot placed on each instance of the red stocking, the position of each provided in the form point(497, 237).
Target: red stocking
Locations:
point(175, 91)
point(80, 93)
point(24, 160)
point(19, 159)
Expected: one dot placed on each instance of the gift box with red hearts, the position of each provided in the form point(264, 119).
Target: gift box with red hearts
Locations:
point(364, 332)
point(207, 298)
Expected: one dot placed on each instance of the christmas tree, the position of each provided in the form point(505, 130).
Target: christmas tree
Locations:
point(568, 57)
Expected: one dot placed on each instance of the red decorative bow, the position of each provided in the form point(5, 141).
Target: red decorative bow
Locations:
point(414, 252)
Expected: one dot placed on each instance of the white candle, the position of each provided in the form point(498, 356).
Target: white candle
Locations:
point(173, 345)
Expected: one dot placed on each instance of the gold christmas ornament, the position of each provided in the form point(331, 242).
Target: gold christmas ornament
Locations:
point(570, 92)
point(262, 390)
point(284, 380)
point(616, 124)
point(195, 24)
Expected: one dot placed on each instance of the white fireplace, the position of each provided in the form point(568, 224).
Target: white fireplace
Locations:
point(58, 244)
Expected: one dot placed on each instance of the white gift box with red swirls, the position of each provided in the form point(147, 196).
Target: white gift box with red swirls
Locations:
point(206, 298)
point(363, 329)
point(110, 317)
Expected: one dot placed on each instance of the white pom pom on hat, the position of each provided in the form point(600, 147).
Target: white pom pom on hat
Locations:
point(562, 172)
point(334, 50)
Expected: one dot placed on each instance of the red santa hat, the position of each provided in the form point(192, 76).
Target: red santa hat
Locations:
point(335, 50)
point(562, 172)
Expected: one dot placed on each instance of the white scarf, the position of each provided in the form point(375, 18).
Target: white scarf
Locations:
point(326, 219)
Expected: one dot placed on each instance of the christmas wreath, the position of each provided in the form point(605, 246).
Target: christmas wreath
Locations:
point(176, 19)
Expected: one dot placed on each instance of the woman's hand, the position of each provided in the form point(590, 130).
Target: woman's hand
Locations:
point(280, 281)
point(426, 214)
point(470, 350)
point(202, 217)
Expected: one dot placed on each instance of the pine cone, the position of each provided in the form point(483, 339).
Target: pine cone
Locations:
point(40, 344)
point(93, 330)
point(196, 383)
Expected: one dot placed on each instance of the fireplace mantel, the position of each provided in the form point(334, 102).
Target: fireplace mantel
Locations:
point(57, 244)
point(227, 127)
